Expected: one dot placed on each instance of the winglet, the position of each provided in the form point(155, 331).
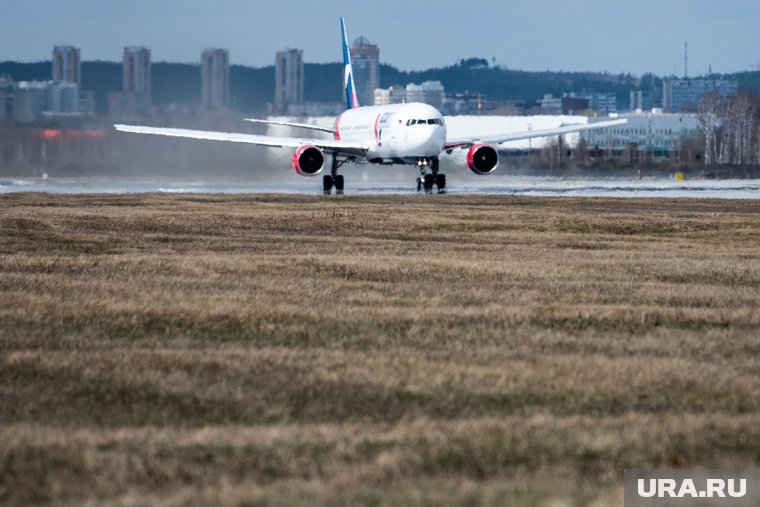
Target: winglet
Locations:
point(348, 75)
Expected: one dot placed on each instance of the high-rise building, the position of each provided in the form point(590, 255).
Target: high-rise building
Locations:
point(35, 99)
point(6, 96)
point(134, 100)
point(29, 101)
point(66, 64)
point(288, 79)
point(365, 62)
point(215, 78)
point(62, 98)
point(604, 102)
point(640, 100)
point(682, 95)
point(136, 70)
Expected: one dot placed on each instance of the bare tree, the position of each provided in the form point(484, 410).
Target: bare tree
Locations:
point(739, 130)
point(728, 133)
point(709, 107)
point(755, 136)
point(756, 150)
point(748, 106)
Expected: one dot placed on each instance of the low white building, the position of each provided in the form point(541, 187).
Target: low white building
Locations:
point(651, 131)
point(391, 95)
point(429, 92)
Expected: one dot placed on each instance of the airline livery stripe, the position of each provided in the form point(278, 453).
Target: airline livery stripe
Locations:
point(336, 127)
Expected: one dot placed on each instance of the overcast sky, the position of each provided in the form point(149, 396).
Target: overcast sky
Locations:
point(634, 36)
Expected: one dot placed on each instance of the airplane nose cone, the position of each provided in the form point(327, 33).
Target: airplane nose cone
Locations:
point(430, 141)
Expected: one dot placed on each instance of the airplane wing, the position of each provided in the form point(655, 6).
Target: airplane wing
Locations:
point(289, 124)
point(528, 134)
point(329, 145)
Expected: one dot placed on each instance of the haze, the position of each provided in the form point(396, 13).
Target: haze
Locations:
point(595, 35)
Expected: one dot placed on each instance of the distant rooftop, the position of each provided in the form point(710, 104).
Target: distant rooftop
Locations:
point(362, 41)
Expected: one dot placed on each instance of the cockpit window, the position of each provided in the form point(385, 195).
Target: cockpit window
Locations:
point(432, 121)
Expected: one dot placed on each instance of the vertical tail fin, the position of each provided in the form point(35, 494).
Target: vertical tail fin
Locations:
point(349, 87)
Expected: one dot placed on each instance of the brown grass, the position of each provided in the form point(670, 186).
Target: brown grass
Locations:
point(267, 350)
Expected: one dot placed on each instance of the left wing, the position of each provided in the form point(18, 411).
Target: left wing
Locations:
point(329, 145)
point(290, 124)
point(528, 134)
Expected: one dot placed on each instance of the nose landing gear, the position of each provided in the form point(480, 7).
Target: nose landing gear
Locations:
point(427, 180)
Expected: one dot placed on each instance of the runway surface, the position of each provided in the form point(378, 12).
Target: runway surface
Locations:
point(497, 185)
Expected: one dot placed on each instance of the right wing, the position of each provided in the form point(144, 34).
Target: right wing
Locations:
point(289, 124)
point(329, 145)
point(530, 134)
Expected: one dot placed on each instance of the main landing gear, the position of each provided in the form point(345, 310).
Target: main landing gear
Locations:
point(334, 179)
point(428, 180)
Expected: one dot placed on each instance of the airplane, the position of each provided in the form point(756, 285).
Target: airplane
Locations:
point(410, 134)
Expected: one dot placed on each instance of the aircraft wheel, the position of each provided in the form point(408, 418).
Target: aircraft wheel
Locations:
point(440, 182)
point(429, 180)
point(339, 183)
point(327, 184)
point(419, 184)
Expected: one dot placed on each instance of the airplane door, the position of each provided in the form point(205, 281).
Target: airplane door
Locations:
point(383, 123)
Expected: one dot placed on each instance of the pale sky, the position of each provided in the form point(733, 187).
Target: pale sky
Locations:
point(573, 35)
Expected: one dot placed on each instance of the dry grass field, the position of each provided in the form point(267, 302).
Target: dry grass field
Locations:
point(409, 350)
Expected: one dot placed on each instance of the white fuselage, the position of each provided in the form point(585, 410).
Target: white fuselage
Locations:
point(394, 133)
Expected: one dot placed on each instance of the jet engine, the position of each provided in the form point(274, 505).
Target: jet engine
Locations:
point(308, 160)
point(482, 159)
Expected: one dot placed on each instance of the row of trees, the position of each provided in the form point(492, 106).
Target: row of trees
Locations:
point(731, 128)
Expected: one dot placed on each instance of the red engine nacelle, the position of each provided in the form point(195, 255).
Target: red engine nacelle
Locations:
point(482, 159)
point(308, 160)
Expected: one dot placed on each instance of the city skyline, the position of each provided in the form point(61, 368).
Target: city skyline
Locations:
point(588, 35)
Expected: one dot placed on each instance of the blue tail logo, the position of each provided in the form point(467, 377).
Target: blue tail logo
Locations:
point(348, 75)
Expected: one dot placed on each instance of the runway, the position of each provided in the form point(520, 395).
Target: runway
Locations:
point(491, 185)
